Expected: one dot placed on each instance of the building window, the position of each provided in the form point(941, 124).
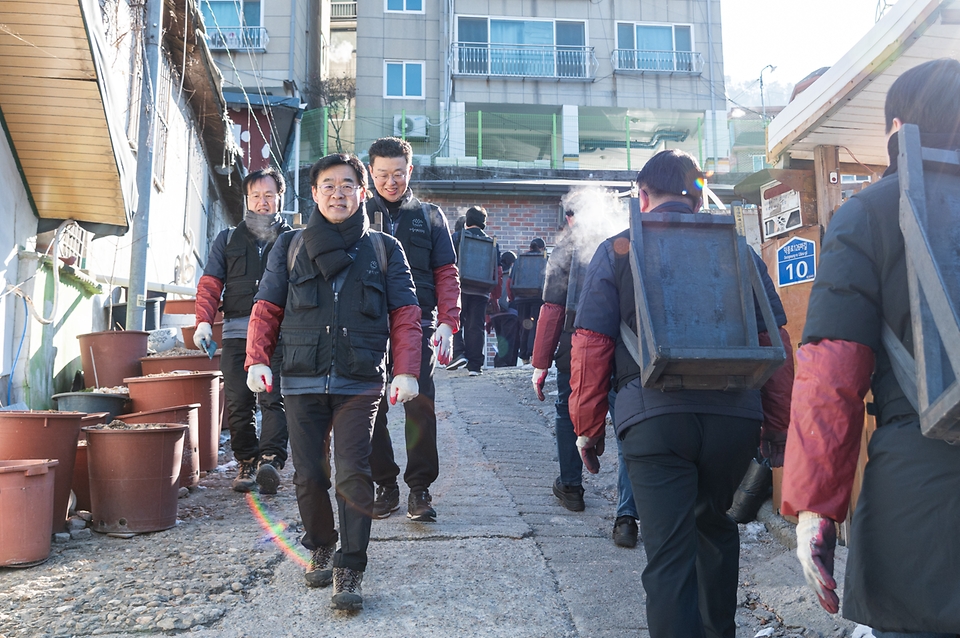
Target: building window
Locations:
point(759, 162)
point(526, 48)
point(410, 6)
point(234, 24)
point(163, 97)
point(656, 47)
point(403, 79)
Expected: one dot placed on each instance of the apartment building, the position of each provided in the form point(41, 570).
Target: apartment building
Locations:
point(268, 53)
point(561, 85)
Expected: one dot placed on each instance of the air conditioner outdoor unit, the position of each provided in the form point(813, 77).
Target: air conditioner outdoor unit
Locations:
point(415, 127)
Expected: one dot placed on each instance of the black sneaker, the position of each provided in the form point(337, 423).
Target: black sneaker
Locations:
point(457, 363)
point(419, 507)
point(625, 532)
point(387, 501)
point(246, 476)
point(268, 474)
point(319, 573)
point(571, 496)
point(347, 594)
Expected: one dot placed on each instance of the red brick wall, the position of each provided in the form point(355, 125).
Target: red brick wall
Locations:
point(513, 219)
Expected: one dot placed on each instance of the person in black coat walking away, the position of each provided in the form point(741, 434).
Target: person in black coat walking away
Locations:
point(470, 347)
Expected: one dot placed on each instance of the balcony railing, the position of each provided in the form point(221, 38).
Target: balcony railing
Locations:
point(525, 60)
point(237, 39)
point(343, 11)
point(657, 61)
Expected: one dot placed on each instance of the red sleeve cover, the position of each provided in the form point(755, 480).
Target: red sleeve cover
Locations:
point(446, 279)
point(591, 365)
point(549, 327)
point(405, 340)
point(826, 422)
point(777, 392)
point(262, 332)
point(209, 289)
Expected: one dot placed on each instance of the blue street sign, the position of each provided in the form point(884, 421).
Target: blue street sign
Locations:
point(796, 262)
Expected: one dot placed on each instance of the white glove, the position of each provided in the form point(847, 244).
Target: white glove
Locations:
point(404, 388)
point(204, 332)
point(443, 341)
point(539, 378)
point(260, 378)
point(816, 542)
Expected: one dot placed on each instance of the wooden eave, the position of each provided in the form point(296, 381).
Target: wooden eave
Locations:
point(53, 113)
point(844, 107)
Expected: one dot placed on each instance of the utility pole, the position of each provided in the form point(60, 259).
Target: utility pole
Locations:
point(763, 107)
point(146, 139)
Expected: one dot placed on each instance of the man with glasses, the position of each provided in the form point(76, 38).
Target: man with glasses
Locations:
point(341, 293)
point(234, 268)
point(421, 229)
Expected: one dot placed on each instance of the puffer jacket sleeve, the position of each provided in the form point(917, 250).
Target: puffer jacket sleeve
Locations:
point(591, 367)
point(209, 289)
point(447, 281)
point(549, 327)
point(826, 422)
point(262, 333)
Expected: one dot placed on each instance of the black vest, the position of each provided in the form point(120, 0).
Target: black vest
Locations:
point(244, 268)
point(345, 332)
point(414, 232)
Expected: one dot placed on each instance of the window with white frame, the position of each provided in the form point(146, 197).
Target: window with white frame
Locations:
point(521, 47)
point(405, 6)
point(655, 47)
point(759, 162)
point(403, 79)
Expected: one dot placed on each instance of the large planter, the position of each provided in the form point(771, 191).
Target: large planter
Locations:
point(180, 306)
point(185, 415)
point(108, 357)
point(189, 330)
point(26, 511)
point(81, 476)
point(44, 435)
point(164, 391)
point(200, 362)
point(89, 402)
point(134, 478)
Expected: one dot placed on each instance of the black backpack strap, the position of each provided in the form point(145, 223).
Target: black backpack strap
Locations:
point(427, 217)
point(381, 250)
point(293, 248)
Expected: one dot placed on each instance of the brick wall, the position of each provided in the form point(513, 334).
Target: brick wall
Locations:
point(513, 219)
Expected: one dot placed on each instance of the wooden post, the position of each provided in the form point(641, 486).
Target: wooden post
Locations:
point(826, 162)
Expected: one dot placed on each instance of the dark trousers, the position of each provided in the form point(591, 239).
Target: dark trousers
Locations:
point(312, 418)
point(571, 465)
point(241, 405)
point(528, 311)
point(506, 326)
point(420, 432)
point(685, 469)
point(473, 313)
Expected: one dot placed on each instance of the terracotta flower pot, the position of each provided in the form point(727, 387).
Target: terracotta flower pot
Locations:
point(134, 478)
point(81, 476)
point(26, 511)
point(108, 357)
point(185, 415)
point(180, 306)
point(155, 392)
point(44, 435)
point(200, 362)
point(189, 330)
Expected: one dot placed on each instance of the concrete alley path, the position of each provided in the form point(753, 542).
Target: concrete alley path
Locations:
point(503, 559)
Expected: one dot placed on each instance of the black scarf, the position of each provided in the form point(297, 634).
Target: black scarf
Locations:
point(927, 140)
point(327, 244)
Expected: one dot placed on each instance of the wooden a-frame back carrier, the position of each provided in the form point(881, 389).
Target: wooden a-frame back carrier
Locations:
point(933, 278)
point(694, 284)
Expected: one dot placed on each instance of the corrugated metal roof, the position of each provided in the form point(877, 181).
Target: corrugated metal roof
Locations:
point(54, 115)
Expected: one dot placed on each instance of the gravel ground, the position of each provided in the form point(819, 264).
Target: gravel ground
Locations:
point(504, 559)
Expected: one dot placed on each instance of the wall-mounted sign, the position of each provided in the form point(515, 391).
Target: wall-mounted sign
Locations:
point(796, 262)
point(781, 213)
